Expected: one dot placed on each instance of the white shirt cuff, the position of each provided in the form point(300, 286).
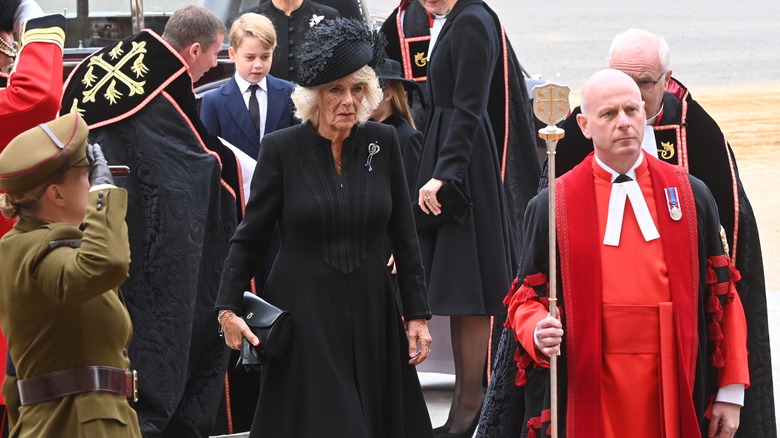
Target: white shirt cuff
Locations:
point(734, 393)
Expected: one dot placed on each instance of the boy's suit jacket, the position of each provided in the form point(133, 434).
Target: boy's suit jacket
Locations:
point(224, 113)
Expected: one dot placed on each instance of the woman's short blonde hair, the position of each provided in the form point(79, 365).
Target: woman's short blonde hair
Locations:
point(306, 99)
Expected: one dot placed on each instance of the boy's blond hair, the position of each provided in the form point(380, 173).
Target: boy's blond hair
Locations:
point(254, 26)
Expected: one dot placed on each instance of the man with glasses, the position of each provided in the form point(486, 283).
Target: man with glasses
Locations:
point(680, 132)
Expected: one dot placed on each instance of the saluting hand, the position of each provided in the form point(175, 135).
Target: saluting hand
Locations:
point(99, 173)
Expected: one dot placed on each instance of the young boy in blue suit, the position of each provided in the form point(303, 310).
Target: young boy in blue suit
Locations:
point(231, 111)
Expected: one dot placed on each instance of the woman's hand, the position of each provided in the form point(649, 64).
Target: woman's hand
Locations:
point(427, 200)
point(235, 330)
point(391, 262)
point(417, 331)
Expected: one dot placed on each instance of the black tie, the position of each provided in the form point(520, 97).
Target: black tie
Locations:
point(254, 107)
point(621, 179)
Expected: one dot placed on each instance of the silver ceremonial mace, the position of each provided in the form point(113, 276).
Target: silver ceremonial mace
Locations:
point(551, 105)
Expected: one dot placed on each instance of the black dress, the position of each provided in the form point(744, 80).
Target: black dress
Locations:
point(469, 265)
point(346, 371)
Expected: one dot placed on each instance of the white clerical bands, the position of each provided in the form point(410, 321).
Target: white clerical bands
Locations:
point(624, 187)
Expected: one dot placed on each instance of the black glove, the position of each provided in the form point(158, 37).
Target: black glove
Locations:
point(99, 173)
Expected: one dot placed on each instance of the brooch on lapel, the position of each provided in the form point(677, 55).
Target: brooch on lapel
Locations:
point(373, 149)
point(673, 203)
point(315, 20)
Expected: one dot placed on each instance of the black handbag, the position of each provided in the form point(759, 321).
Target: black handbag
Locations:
point(455, 206)
point(272, 325)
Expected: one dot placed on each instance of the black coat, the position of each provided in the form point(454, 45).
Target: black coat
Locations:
point(346, 371)
point(469, 265)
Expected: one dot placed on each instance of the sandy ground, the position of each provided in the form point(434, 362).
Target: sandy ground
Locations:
point(750, 118)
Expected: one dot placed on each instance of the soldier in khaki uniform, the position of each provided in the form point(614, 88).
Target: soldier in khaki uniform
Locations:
point(60, 306)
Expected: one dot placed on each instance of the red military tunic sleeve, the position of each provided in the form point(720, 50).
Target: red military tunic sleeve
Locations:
point(34, 90)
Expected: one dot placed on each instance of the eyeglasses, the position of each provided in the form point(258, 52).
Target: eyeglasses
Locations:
point(646, 86)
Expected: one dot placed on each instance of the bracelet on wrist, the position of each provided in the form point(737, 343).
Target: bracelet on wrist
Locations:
point(222, 313)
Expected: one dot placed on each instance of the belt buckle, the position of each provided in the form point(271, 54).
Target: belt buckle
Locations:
point(135, 386)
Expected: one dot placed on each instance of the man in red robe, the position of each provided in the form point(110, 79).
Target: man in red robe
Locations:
point(680, 131)
point(655, 342)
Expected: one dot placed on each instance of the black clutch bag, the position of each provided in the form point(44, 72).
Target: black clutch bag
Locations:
point(455, 206)
point(272, 325)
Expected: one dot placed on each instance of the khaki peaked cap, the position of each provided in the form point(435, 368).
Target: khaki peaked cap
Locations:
point(38, 153)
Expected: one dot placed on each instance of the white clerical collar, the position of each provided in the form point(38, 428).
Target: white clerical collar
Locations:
point(651, 121)
point(438, 23)
point(631, 172)
point(243, 84)
point(617, 205)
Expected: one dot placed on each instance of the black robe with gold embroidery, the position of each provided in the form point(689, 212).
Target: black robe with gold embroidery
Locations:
point(182, 211)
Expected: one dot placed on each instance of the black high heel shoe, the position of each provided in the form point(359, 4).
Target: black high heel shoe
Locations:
point(441, 431)
point(468, 433)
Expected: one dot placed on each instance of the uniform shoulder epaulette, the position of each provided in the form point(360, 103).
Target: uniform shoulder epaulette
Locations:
point(49, 28)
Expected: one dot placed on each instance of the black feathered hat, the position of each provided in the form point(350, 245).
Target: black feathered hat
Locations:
point(337, 48)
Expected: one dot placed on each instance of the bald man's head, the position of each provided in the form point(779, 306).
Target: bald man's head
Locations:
point(613, 116)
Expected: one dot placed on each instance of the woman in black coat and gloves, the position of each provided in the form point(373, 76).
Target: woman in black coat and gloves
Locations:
point(336, 186)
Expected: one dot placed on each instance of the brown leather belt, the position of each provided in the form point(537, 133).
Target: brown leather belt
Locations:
point(77, 381)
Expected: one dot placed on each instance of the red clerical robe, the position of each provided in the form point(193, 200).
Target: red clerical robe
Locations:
point(642, 326)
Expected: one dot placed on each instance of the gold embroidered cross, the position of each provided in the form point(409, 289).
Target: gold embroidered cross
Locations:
point(114, 73)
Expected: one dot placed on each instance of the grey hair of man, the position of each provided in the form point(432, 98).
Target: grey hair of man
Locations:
point(306, 99)
point(585, 94)
point(639, 37)
point(193, 24)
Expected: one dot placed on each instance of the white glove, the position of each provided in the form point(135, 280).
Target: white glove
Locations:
point(27, 10)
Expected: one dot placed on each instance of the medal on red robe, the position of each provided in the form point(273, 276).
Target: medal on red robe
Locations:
point(673, 203)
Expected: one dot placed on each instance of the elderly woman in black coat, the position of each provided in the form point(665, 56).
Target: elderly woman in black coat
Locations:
point(336, 186)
